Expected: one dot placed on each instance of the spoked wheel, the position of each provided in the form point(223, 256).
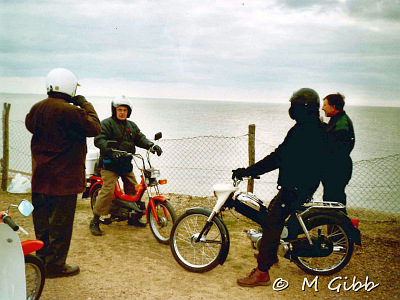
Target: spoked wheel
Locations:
point(343, 248)
point(166, 219)
point(35, 278)
point(197, 256)
point(94, 196)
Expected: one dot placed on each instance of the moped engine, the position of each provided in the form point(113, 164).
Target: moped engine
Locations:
point(255, 237)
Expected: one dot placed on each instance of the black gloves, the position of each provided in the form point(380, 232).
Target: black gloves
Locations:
point(157, 149)
point(116, 155)
point(78, 100)
point(239, 173)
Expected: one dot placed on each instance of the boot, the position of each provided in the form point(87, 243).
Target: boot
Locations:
point(65, 271)
point(255, 278)
point(95, 226)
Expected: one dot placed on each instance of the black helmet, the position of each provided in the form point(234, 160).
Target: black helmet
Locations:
point(305, 96)
point(304, 103)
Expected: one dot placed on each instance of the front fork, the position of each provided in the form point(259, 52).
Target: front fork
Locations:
point(152, 206)
point(206, 227)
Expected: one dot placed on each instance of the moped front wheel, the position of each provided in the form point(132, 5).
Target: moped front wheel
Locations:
point(343, 247)
point(191, 252)
point(35, 276)
point(161, 229)
point(93, 197)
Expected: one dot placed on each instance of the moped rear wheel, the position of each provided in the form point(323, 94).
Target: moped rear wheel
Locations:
point(343, 247)
point(35, 277)
point(166, 219)
point(197, 256)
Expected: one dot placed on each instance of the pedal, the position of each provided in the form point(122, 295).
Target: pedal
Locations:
point(105, 221)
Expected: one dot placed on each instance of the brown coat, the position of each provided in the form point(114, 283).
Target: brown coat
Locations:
point(59, 145)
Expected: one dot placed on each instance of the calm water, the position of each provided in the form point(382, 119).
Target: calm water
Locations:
point(377, 128)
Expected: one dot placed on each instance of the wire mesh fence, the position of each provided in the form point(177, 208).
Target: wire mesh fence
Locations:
point(193, 165)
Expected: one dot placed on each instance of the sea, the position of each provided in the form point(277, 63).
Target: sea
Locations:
point(374, 183)
point(377, 129)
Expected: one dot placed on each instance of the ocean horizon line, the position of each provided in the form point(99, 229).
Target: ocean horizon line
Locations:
point(211, 100)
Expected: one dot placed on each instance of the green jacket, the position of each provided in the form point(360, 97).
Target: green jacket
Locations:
point(339, 142)
point(127, 135)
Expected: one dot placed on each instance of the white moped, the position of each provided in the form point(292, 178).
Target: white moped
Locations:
point(22, 274)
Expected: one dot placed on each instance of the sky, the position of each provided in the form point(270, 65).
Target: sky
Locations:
point(258, 50)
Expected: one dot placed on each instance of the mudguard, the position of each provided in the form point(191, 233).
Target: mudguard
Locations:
point(161, 198)
point(149, 207)
point(95, 186)
point(225, 234)
point(30, 246)
point(354, 233)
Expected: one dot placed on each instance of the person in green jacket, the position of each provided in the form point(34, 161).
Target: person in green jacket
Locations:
point(128, 136)
point(339, 142)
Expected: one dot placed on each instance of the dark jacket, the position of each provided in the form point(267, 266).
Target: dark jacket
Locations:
point(58, 145)
point(298, 158)
point(340, 140)
point(127, 135)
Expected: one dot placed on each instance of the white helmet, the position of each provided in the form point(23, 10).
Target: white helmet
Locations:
point(121, 101)
point(61, 81)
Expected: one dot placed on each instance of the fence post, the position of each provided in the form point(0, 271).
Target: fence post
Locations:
point(252, 154)
point(5, 160)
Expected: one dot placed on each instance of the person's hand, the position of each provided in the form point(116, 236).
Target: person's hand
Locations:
point(78, 100)
point(239, 173)
point(116, 155)
point(157, 149)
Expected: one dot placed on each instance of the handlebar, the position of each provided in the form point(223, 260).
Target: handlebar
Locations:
point(236, 181)
point(6, 219)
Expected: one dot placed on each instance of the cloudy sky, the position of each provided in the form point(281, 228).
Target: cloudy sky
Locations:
point(258, 50)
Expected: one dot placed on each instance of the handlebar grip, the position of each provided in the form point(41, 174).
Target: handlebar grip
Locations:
point(7, 220)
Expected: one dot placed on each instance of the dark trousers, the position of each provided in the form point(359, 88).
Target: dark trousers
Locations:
point(334, 191)
point(283, 204)
point(53, 219)
point(335, 181)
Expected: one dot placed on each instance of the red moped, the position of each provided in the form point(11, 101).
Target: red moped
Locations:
point(160, 213)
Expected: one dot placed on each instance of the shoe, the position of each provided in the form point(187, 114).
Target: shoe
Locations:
point(137, 223)
point(95, 228)
point(255, 278)
point(276, 260)
point(65, 271)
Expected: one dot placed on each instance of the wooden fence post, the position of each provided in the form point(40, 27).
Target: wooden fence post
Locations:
point(6, 151)
point(252, 154)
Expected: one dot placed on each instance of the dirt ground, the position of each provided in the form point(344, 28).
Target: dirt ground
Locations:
point(128, 263)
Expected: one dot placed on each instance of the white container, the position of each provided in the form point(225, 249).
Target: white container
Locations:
point(92, 156)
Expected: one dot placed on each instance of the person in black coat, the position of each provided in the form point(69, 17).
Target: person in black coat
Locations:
point(299, 160)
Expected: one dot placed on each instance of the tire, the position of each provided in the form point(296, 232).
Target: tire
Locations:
point(343, 247)
point(35, 276)
point(94, 196)
point(202, 256)
point(166, 219)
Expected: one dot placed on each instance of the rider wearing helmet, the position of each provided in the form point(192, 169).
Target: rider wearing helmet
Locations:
point(298, 159)
point(128, 136)
point(59, 150)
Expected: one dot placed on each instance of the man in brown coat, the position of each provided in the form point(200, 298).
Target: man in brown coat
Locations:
point(59, 150)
